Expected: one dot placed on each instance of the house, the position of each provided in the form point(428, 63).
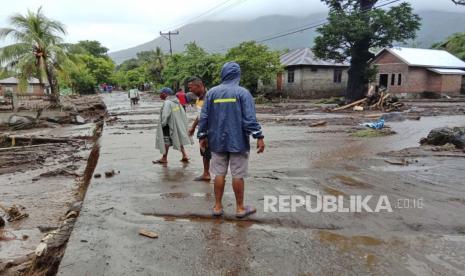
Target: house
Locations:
point(34, 86)
point(305, 76)
point(411, 71)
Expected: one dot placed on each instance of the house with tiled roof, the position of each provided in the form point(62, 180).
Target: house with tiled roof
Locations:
point(413, 71)
point(306, 76)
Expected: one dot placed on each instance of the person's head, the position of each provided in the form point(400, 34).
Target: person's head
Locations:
point(165, 92)
point(196, 86)
point(231, 72)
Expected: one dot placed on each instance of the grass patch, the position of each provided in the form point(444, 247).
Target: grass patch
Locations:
point(368, 133)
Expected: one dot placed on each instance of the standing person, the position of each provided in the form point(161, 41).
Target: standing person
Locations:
point(197, 87)
point(181, 95)
point(133, 94)
point(172, 127)
point(227, 120)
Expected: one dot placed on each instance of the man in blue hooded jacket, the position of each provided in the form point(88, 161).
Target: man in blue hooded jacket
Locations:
point(227, 120)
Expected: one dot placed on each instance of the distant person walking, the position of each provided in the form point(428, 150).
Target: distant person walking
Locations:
point(134, 96)
point(197, 87)
point(227, 120)
point(172, 127)
point(181, 95)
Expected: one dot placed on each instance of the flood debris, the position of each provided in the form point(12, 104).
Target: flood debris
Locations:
point(445, 135)
point(110, 173)
point(148, 233)
point(378, 101)
point(97, 175)
point(2, 222)
point(401, 162)
point(14, 213)
point(319, 123)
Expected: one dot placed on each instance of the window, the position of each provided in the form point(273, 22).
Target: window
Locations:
point(399, 79)
point(393, 79)
point(290, 75)
point(337, 78)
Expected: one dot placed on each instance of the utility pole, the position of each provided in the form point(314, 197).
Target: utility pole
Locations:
point(169, 34)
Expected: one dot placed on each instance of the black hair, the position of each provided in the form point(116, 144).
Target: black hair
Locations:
point(194, 79)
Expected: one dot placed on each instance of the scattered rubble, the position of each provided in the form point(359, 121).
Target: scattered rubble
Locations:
point(384, 102)
point(14, 213)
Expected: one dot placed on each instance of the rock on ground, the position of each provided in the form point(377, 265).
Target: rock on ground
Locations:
point(445, 135)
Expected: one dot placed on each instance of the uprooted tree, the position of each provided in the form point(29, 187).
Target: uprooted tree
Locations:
point(356, 26)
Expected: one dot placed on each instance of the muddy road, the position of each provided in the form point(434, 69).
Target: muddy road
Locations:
point(423, 235)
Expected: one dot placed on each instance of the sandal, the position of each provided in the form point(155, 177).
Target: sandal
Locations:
point(202, 178)
point(185, 160)
point(217, 213)
point(249, 210)
point(159, 162)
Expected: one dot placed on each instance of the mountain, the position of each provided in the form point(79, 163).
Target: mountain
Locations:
point(218, 36)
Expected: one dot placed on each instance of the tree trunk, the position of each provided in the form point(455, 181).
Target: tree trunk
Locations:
point(360, 55)
point(53, 85)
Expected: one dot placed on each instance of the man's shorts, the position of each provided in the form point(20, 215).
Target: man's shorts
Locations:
point(167, 136)
point(238, 162)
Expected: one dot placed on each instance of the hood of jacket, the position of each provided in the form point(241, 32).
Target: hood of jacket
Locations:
point(231, 73)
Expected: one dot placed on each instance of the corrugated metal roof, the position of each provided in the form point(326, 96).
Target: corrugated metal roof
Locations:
point(305, 56)
point(427, 57)
point(443, 71)
point(13, 80)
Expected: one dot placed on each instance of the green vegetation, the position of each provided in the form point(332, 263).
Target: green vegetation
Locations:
point(368, 133)
point(38, 50)
point(455, 45)
point(154, 67)
point(356, 26)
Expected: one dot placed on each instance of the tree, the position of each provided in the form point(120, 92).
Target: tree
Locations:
point(455, 45)
point(100, 68)
point(355, 26)
point(92, 47)
point(194, 61)
point(38, 49)
point(257, 63)
point(82, 81)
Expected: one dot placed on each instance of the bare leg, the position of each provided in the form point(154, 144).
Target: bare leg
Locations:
point(206, 168)
point(164, 158)
point(219, 190)
point(184, 154)
point(238, 187)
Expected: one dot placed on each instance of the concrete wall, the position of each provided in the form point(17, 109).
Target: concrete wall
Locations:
point(314, 84)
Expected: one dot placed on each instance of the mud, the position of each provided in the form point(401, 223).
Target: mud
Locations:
point(45, 171)
point(299, 160)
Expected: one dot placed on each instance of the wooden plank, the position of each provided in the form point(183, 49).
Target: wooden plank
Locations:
point(350, 105)
point(148, 233)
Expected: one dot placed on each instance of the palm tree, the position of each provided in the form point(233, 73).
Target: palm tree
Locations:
point(38, 49)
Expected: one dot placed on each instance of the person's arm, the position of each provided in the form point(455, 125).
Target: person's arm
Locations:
point(203, 120)
point(165, 113)
point(194, 125)
point(250, 123)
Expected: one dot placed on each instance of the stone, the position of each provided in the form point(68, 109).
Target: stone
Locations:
point(445, 135)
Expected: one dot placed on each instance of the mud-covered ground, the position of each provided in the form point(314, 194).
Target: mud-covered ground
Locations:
point(424, 235)
point(42, 172)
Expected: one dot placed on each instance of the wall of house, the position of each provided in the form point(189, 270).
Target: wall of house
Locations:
point(451, 84)
point(390, 64)
point(35, 89)
point(314, 84)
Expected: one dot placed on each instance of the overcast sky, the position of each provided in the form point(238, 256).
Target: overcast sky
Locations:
point(120, 24)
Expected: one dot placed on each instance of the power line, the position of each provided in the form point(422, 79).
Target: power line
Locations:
point(279, 35)
point(195, 18)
